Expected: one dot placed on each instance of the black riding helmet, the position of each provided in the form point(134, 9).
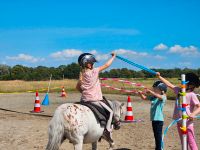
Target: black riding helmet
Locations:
point(85, 58)
point(192, 79)
point(160, 85)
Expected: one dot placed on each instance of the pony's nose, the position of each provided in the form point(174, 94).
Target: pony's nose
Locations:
point(117, 125)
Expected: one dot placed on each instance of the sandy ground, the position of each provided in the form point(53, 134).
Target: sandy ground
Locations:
point(19, 131)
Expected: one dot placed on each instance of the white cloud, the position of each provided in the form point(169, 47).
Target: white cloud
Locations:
point(70, 53)
point(94, 52)
point(100, 57)
point(190, 50)
point(65, 54)
point(130, 52)
point(135, 54)
point(24, 58)
point(124, 51)
point(160, 47)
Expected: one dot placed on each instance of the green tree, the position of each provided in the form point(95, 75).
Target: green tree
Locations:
point(72, 71)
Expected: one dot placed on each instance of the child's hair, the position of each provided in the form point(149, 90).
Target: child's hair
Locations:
point(160, 85)
point(81, 76)
point(192, 79)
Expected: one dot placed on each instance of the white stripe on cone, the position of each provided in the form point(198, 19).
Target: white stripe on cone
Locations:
point(37, 105)
point(129, 113)
point(129, 104)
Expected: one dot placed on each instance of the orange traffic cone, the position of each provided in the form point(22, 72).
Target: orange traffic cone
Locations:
point(37, 104)
point(129, 112)
point(63, 94)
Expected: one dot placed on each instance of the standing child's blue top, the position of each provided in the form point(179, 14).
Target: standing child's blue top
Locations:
point(157, 108)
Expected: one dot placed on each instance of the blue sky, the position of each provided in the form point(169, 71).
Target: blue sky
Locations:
point(157, 33)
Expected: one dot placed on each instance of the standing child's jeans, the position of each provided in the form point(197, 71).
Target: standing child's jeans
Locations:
point(157, 130)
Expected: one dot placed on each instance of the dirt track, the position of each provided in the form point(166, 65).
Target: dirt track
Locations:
point(26, 132)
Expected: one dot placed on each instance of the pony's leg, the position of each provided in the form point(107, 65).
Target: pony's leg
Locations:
point(94, 146)
point(55, 139)
point(79, 144)
point(111, 146)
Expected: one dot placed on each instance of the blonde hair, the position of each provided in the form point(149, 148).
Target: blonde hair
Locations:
point(83, 70)
point(81, 75)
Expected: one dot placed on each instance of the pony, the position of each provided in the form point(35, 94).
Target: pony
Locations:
point(78, 124)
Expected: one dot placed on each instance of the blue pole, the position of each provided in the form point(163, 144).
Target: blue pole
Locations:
point(136, 65)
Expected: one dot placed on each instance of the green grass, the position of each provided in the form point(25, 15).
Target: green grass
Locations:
point(56, 86)
point(25, 86)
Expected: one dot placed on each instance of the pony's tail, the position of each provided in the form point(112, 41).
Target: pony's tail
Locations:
point(56, 131)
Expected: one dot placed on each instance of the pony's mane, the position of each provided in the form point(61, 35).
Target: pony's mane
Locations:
point(115, 105)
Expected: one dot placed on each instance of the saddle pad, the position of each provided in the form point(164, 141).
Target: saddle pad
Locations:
point(100, 113)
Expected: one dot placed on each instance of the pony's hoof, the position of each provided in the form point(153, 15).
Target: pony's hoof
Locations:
point(111, 146)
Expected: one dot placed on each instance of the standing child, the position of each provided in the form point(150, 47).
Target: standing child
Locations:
point(192, 109)
point(89, 84)
point(158, 99)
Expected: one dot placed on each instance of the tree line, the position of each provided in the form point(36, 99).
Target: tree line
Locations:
point(71, 71)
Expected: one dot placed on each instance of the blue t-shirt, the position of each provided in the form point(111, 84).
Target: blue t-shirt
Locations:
point(157, 108)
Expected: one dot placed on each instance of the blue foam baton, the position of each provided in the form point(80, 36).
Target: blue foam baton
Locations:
point(136, 65)
point(171, 124)
point(197, 117)
point(167, 128)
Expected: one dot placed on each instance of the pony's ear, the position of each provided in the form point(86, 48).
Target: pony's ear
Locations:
point(122, 104)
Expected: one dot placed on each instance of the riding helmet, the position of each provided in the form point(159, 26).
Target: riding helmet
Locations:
point(85, 58)
point(160, 85)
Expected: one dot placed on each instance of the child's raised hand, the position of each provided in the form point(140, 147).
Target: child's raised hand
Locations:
point(157, 74)
point(148, 91)
point(140, 92)
point(191, 116)
point(113, 54)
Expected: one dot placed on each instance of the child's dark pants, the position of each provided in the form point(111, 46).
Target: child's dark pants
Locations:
point(157, 130)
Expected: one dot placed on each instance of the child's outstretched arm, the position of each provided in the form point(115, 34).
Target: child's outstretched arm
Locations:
point(197, 111)
point(197, 105)
point(169, 84)
point(108, 63)
point(160, 97)
point(144, 97)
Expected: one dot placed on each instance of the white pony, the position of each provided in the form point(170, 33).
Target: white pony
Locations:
point(78, 124)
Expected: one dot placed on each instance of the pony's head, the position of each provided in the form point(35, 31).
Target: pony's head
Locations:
point(118, 111)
